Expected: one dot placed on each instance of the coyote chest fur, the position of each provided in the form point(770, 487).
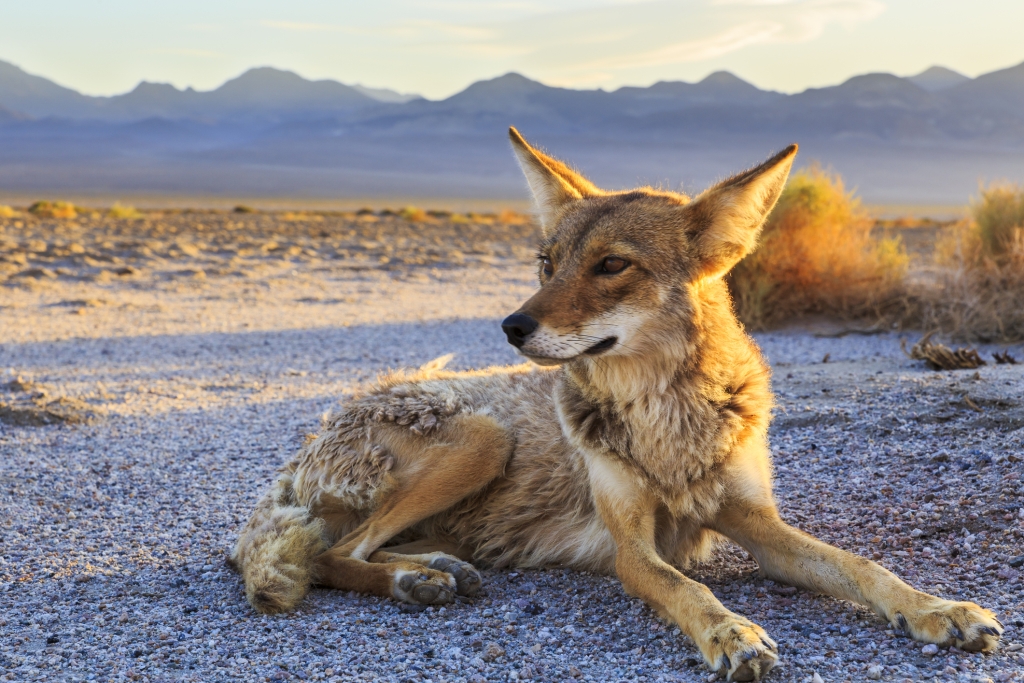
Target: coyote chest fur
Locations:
point(640, 440)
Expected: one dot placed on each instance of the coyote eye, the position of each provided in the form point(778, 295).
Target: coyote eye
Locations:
point(546, 267)
point(612, 264)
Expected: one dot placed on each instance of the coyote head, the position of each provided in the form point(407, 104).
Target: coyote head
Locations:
point(622, 273)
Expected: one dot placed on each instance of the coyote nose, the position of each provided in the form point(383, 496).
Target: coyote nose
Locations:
point(517, 328)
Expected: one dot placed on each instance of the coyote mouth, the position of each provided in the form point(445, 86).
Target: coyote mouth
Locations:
point(601, 346)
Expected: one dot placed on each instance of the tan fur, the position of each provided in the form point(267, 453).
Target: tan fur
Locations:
point(647, 443)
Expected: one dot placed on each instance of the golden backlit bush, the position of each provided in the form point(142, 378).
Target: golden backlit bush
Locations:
point(123, 211)
point(817, 256)
point(51, 209)
point(413, 214)
point(978, 294)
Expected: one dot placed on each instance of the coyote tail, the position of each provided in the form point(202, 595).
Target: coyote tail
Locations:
point(275, 551)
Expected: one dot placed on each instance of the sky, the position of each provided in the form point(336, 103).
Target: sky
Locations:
point(437, 47)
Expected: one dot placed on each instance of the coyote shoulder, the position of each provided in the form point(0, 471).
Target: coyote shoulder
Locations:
point(634, 439)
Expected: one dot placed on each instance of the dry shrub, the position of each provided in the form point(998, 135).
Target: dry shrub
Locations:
point(119, 210)
point(817, 256)
point(48, 209)
point(512, 217)
point(980, 283)
point(413, 214)
point(7, 212)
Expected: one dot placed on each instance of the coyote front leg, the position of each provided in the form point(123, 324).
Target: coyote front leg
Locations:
point(791, 556)
point(730, 644)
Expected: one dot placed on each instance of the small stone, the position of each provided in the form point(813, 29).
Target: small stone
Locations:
point(816, 678)
point(492, 651)
point(916, 533)
point(574, 672)
point(930, 650)
point(477, 678)
point(875, 672)
point(1016, 562)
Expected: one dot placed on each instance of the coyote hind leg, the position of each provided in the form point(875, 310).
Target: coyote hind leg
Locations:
point(467, 579)
point(468, 453)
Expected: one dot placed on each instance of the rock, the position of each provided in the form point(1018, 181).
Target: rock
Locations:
point(930, 650)
point(38, 274)
point(1016, 562)
point(875, 672)
point(916, 533)
point(816, 678)
point(492, 651)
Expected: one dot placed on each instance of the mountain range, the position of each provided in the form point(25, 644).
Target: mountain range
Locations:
point(928, 138)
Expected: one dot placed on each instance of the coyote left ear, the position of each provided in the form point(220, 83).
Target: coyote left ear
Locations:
point(554, 185)
point(727, 218)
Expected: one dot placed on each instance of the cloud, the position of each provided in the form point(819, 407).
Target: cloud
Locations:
point(727, 41)
point(623, 35)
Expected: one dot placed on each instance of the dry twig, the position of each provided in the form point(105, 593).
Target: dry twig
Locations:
point(1004, 358)
point(940, 357)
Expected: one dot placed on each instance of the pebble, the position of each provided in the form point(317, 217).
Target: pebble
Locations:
point(875, 672)
point(930, 650)
point(492, 651)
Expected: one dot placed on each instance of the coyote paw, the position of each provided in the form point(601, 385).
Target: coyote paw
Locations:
point(740, 650)
point(946, 623)
point(467, 578)
point(421, 586)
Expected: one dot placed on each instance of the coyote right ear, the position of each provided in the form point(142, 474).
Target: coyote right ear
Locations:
point(553, 183)
point(727, 218)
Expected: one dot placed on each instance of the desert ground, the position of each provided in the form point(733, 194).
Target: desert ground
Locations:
point(154, 373)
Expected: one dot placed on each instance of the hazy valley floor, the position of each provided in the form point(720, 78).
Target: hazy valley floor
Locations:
point(155, 373)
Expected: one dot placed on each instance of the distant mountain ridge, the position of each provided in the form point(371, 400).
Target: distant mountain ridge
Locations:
point(936, 78)
point(259, 93)
point(274, 95)
point(917, 138)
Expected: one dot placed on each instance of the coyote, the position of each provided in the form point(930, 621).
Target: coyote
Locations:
point(642, 443)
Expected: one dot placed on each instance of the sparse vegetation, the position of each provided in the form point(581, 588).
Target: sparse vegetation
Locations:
point(513, 217)
point(53, 209)
point(980, 265)
point(7, 212)
point(817, 256)
point(119, 210)
point(413, 214)
point(242, 208)
point(999, 220)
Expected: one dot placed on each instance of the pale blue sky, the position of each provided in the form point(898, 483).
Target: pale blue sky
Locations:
point(437, 47)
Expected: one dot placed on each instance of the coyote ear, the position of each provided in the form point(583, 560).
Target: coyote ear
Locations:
point(553, 183)
point(727, 218)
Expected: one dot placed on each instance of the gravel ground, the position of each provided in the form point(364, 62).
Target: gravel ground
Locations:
point(145, 409)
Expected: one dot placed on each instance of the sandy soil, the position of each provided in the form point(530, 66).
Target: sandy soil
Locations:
point(154, 373)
